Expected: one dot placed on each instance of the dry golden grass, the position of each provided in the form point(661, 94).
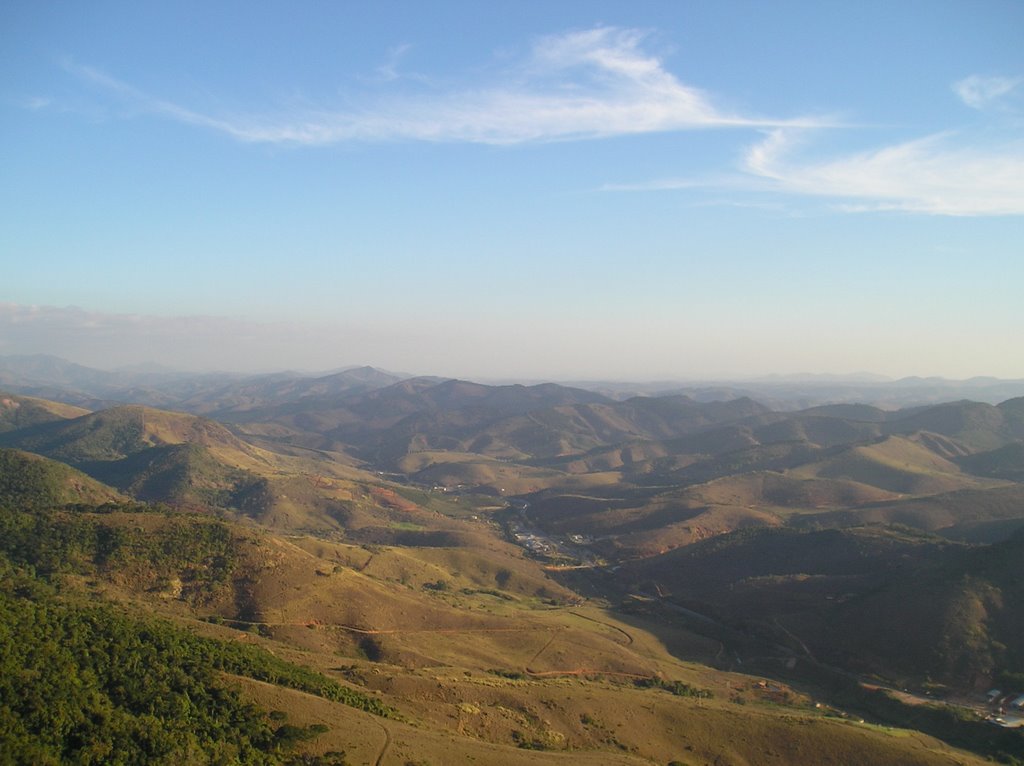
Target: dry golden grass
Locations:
point(453, 717)
point(452, 469)
point(897, 464)
point(481, 674)
point(11, 403)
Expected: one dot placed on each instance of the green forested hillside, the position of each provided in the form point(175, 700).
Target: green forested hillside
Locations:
point(177, 473)
point(191, 555)
point(891, 601)
point(31, 481)
point(23, 411)
point(84, 682)
point(90, 684)
point(118, 432)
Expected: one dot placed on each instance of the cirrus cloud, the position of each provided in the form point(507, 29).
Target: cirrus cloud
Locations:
point(595, 83)
point(938, 174)
point(976, 172)
point(934, 174)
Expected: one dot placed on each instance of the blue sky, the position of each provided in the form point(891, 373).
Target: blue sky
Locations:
point(516, 190)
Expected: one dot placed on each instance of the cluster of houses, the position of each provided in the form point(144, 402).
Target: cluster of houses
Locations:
point(1008, 708)
point(532, 542)
point(542, 545)
point(525, 537)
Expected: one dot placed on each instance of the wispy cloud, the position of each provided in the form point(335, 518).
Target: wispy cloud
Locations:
point(937, 174)
point(141, 101)
point(35, 103)
point(979, 92)
point(940, 174)
point(976, 172)
point(594, 83)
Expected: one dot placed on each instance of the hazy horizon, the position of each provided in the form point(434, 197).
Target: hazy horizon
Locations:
point(154, 364)
point(670, 191)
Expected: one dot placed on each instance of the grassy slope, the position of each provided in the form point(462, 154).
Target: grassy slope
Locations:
point(677, 517)
point(814, 474)
point(434, 665)
point(602, 724)
point(18, 412)
point(977, 426)
point(119, 432)
point(896, 464)
point(945, 512)
point(173, 457)
point(363, 616)
point(433, 651)
point(32, 481)
point(1003, 463)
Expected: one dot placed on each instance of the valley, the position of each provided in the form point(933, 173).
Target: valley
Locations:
point(421, 570)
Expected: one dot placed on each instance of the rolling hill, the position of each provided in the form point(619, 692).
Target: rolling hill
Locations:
point(392, 655)
point(905, 606)
point(984, 514)
point(17, 412)
point(1006, 462)
point(32, 481)
point(157, 455)
point(895, 464)
point(118, 432)
point(376, 538)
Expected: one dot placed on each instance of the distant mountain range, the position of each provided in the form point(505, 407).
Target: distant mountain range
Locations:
point(54, 378)
point(802, 391)
point(154, 385)
point(782, 521)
